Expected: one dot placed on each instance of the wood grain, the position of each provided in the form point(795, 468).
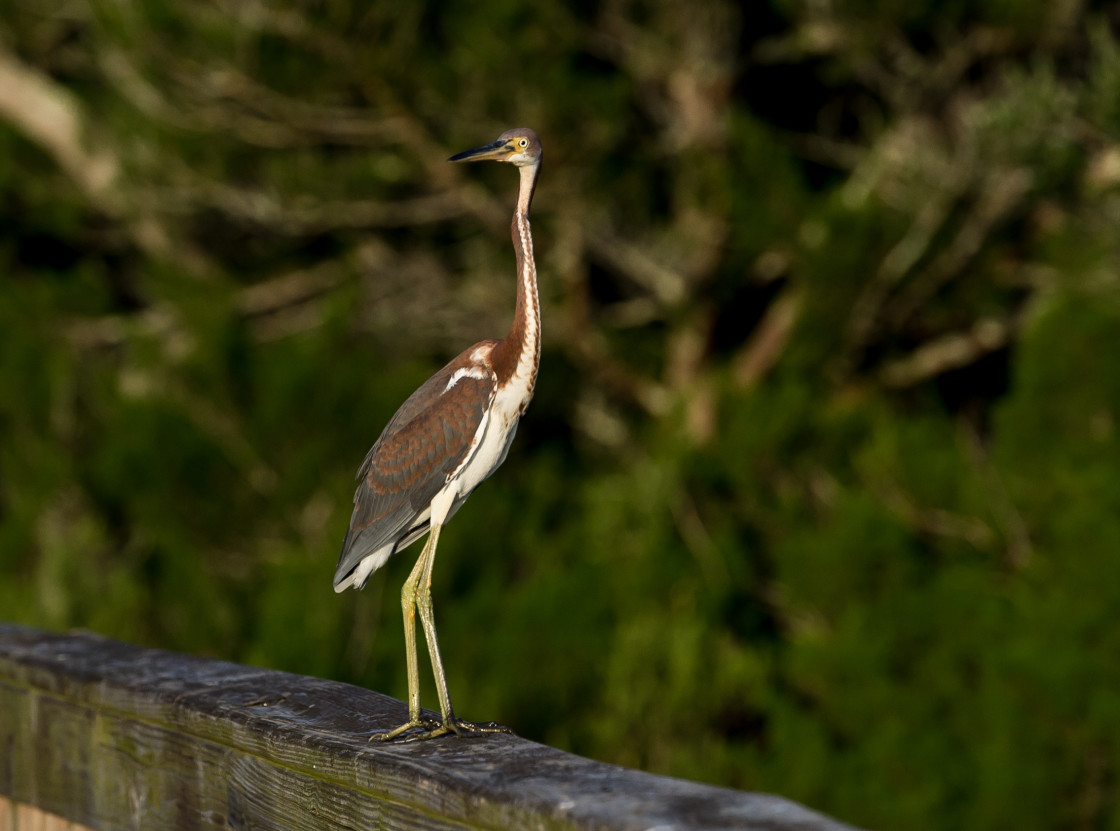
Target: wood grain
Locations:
point(114, 736)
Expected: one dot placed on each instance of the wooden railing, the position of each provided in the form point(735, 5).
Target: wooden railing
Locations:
point(99, 734)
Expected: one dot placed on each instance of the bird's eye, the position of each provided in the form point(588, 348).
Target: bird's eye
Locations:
point(523, 143)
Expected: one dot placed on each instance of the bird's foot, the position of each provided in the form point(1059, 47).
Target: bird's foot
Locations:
point(462, 728)
point(424, 724)
point(419, 729)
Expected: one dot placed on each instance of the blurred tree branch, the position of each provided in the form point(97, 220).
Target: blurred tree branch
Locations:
point(51, 117)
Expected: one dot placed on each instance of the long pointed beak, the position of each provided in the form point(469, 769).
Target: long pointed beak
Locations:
point(495, 150)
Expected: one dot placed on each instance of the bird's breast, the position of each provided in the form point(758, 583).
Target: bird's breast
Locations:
point(494, 433)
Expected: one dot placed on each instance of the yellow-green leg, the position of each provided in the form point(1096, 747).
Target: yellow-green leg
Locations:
point(408, 606)
point(451, 724)
point(416, 596)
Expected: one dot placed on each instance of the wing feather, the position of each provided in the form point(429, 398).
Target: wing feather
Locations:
point(429, 438)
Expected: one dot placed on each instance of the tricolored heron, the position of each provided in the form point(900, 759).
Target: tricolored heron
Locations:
point(448, 436)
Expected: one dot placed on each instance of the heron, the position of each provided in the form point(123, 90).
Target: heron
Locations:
point(447, 437)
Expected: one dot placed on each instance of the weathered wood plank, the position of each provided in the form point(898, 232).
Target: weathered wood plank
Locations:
point(16, 817)
point(114, 736)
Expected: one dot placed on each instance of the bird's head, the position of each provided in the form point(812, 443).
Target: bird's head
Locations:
point(519, 146)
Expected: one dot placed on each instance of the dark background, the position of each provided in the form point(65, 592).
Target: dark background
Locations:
point(820, 492)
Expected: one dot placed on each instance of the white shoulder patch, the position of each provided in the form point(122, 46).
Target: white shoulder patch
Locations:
point(466, 372)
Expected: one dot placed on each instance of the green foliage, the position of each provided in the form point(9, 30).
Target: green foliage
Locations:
point(819, 491)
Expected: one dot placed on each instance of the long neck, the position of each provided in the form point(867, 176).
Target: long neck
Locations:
point(517, 356)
